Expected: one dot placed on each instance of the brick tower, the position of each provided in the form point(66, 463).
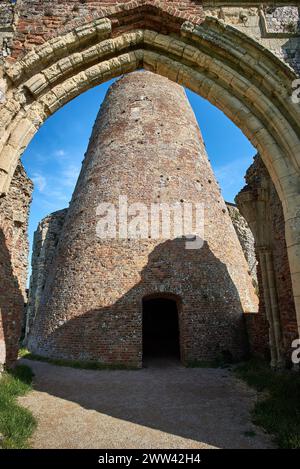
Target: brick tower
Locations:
point(102, 294)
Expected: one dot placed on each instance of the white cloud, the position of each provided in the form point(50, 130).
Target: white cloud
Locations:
point(70, 175)
point(59, 195)
point(57, 188)
point(39, 181)
point(232, 172)
point(60, 153)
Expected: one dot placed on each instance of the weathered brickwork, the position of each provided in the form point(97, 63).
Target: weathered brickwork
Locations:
point(44, 245)
point(246, 239)
point(146, 145)
point(226, 52)
point(260, 205)
point(14, 223)
point(38, 21)
point(30, 22)
point(46, 240)
point(13, 262)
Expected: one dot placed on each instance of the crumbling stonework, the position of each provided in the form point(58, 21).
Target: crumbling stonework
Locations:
point(276, 28)
point(13, 262)
point(147, 146)
point(276, 324)
point(282, 19)
point(44, 245)
point(14, 224)
point(7, 21)
point(224, 51)
point(246, 239)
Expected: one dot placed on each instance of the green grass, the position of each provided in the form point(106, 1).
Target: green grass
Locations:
point(16, 422)
point(278, 410)
point(250, 433)
point(86, 365)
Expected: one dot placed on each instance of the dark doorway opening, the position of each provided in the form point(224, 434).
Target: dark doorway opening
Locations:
point(160, 329)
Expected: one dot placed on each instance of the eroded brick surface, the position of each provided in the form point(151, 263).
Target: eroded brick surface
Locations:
point(29, 23)
point(13, 262)
point(277, 287)
point(44, 245)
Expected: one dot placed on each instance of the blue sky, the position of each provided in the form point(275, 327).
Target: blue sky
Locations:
point(53, 158)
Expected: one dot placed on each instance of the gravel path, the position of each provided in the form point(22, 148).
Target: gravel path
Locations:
point(162, 406)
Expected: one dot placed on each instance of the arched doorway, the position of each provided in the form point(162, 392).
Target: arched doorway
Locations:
point(161, 339)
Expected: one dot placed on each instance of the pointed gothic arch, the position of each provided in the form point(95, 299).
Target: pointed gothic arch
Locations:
point(218, 62)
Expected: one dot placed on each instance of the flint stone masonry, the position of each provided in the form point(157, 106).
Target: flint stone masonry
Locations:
point(44, 245)
point(6, 27)
point(14, 212)
point(146, 145)
point(283, 19)
point(46, 240)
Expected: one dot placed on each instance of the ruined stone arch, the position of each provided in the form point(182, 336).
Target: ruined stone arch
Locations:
point(218, 62)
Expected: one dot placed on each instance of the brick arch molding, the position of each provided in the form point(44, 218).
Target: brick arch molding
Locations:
point(218, 62)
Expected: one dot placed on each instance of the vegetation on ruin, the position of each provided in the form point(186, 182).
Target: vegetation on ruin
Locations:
point(16, 422)
point(85, 365)
point(278, 407)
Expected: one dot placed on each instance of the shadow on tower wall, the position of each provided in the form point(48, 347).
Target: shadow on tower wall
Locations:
point(211, 318)
point(202, 405)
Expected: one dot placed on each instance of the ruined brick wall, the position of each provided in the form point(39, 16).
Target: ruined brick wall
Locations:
point(14, 261)
point(14, 223)
point(31, 22)
point(282, 270)
point(258, 327)
point(36, 21)
point(283, 276)
point(44, 245)
point(246, 239)
point(270, 235)
point(145, 145)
